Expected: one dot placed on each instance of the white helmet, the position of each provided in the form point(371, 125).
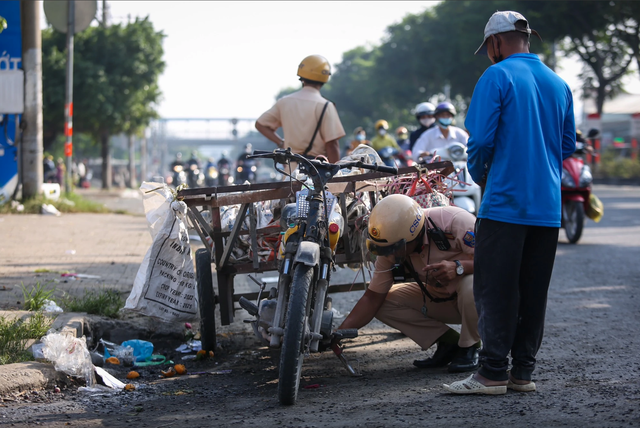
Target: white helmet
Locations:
point(424, 108)
point(394, 221)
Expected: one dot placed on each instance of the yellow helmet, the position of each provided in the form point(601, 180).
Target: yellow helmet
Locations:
point(394, 221)
point(316, 68)
point(382, 124)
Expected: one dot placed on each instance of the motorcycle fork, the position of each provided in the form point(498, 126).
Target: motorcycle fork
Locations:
point(320, 297)
point(284, 285)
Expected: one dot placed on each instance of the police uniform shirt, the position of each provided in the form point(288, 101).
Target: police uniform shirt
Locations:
point(458, 226)
point(298, 115)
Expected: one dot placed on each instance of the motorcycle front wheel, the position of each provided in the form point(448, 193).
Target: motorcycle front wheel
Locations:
point(293, 345)
point(573, 216)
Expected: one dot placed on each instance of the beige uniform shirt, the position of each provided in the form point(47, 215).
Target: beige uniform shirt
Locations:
point(458, 225)
point(298, 115)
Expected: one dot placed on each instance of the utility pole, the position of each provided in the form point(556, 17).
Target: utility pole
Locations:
point(105, 14)
point(68, 102)
point(32, 64)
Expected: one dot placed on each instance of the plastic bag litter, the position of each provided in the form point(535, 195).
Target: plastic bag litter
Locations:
point(51, 306)
point(69, 354)
point(190, 346)
point(48, 209)
point(122, 353)
point(111, 384)
point(142, 350)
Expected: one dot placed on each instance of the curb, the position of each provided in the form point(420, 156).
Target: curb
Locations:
point(34, 375)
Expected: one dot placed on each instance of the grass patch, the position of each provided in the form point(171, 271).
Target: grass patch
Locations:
point(35, 299)
point(67, 203)
point(106, 303)
point(15, 334)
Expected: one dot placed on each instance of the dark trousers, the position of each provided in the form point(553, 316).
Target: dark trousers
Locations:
point(512, 269)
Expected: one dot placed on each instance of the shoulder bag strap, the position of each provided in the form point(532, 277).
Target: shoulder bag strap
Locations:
point(317, 129)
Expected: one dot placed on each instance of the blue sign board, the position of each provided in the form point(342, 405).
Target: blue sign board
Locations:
point(10, 58)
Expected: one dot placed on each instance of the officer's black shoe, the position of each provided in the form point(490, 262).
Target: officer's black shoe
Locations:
point(466, 360)
point(443, 356)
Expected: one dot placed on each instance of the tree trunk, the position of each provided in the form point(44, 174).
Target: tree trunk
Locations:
point(143, 158)
point(600, 97)
point(133, 182)
point(106, 160)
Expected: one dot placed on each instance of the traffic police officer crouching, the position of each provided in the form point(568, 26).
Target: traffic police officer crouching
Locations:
point(310, 122)
point(434, 247)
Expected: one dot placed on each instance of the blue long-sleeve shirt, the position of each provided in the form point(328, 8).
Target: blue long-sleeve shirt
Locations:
point(522, 127)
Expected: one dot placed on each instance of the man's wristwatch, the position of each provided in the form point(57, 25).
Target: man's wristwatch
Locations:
point(459, 268)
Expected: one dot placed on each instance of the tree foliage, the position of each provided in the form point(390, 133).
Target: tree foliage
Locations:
point(115, 85)
point(425, 53)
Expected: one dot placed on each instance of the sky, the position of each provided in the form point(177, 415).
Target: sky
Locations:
point(230, 59)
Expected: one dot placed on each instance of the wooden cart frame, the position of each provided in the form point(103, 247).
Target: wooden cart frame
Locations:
point(213, 198)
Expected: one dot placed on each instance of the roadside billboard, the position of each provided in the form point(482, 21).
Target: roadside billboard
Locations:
point(11, 94)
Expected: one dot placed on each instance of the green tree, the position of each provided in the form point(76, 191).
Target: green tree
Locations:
point(116, 90)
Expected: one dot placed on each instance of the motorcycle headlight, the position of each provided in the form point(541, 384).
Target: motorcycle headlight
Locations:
point(567, 180)
point(585, 176)
point(239, 169)
point(457, 153)
point(254, 168)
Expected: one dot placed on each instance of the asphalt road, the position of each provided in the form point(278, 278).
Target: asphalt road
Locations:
point(588, 372)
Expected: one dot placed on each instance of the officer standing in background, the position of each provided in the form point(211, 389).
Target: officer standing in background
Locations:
point(310, 123)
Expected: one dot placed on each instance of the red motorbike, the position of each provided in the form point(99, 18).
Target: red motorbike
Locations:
point(576, 190)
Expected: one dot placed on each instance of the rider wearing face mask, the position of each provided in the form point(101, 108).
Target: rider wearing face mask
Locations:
point(382, 138)
point(359, 137)
point(442, 135)
point(424, 114)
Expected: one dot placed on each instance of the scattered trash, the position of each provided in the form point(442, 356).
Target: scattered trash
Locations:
point(133, 375)
point(36, 350)
point(77, 275)
point(336, 313)
point(129, 387)
point(51, 306)
point(113, 360)
point(48, 209)
point(190, 346)
point(202, 354)
point(109, 380)
point(189, 357)
point(142, 350)
point(314, 386)
point(169, 373)
point(218, 372)
point(15, 205)
point(51, 191)
point(72, 252)
point(180, 369)
point(122, 353)
point(69, 354)
point(155, 360)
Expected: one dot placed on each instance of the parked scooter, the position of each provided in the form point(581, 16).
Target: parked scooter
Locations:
point(466, 193)
point(576, 190)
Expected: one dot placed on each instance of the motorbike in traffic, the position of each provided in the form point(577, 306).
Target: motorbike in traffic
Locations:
point(224, 173)
point(576, 193)
point(195, 176)
point(466, 193)
point(178, 176)
point(394, 157)
point(246, 171)
point(211, 175)
point(296, 316)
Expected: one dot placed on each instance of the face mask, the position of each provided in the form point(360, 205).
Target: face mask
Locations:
point(427, 121)
point(382, 131)
point(445, 121)
point(360, 137)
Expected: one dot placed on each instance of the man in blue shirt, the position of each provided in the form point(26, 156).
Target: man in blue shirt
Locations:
point(522, 127)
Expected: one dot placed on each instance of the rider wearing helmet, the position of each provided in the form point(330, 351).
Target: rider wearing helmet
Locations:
point(382, 139)
point(442, 135)
point(424, 113)
point(402, 137)
point(401, 236)
point(302, 112)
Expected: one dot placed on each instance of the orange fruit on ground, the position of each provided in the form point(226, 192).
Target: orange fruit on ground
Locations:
point(180, 369)
point(133, 375)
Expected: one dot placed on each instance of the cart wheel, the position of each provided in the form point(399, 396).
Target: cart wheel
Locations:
point(206, 300)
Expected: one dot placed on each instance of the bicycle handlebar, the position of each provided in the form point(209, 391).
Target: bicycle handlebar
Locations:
point(281, 154)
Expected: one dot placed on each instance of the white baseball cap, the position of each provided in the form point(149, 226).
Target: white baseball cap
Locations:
point(502, 22)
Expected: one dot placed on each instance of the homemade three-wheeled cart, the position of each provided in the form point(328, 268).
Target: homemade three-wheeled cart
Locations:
point(316, 224)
